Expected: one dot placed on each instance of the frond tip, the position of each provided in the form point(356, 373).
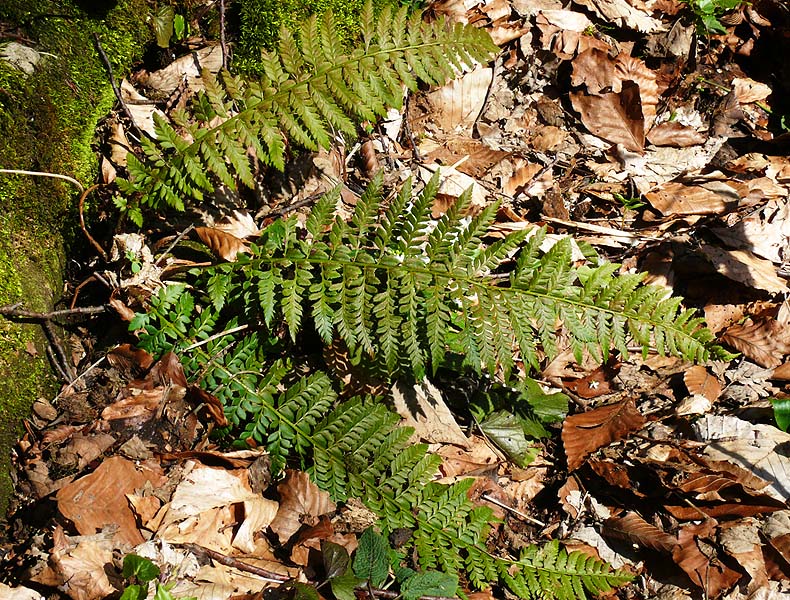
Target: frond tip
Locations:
point(311, 90)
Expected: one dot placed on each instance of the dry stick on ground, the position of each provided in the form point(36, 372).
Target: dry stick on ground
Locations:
point(222, 44)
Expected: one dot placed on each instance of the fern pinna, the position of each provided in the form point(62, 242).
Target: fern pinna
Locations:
point(311, 89)
point(406, 290)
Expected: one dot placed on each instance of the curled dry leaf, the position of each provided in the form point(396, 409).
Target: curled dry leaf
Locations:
point(765, 341)
point(585, 433)
point(634, 529)
point(224, 245)
point(301, 502)
point(746, 268)
point(699, 381)
point(710, 574)
point(614, 117)
point(678, 198)
point(677, 135)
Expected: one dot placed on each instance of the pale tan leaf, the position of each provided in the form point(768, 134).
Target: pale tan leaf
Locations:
point(634, 529)
point(457, 105)
point(166, 80)
point(422, 407)
point(746, 268)
point(18, 593)
point(764, 341)
point(119, 144)
point(524, 173)
point(258, 515)
point(765, 232)
point(677, 135)
point(81, 564)
point(677, 198)
point(748, 90)
point(621, 14)
point(699, 381)
point(615, 117)
point(141, 108)
point(585, 433)
point(222, 244)
point(239, 224)
point(99, 499)
point(301, 503)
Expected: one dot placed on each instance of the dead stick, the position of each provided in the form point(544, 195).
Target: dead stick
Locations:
point(234, 563)
point(222, 44)
point(13, 310)
point(60, 351)
point(93, 242)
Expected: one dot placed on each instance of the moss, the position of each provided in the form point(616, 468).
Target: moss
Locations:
point(260, 22)
point(47, 123)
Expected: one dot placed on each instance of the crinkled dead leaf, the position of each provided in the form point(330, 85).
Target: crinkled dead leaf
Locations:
point(741, 540)
point(224, 245)
point(129, 360)
point(99, 499)
point(614, 117)
point(765, 341)
point(748, 90)
point(301, 502)
point(594, 68)
point(166, 80)
point(141, 108)
point(422, 407)
point(627, 68)
point(239, 224)
point(672, 133)
point(622, 14)
point(211, 402)
point(585, 433)
point(477, 458)
point(709, 574)
point(258, 515)
point(18, 593)
point(81, 564)
point(678, 198)
point(635, 530)
point(765, 232)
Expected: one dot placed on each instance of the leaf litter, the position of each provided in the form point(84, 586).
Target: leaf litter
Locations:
point(613, 121)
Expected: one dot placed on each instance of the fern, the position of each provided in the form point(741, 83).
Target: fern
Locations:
point(310, 91)
point(405, 293)
point(357, 449)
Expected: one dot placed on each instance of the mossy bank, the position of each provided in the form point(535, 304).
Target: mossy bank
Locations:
point(47, 123)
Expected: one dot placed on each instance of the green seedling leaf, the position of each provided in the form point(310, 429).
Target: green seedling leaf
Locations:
point(343, 586)
point(179, 27)
point(781, 412)
point(303, 591)
point(163, 26)
point(430, 583)
point(549, 408)
point(506, 431)
point(371, 561)
point(336, 559)
point(141, 568)
point(135, 592)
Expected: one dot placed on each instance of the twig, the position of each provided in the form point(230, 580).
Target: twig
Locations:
point(235, 563)
point(60, 352)
point(93, 242)
point(222, 43)
point(115, 88)
point(415, 152)
point(493, 500)
point(216, 336)
point(70, 385)
point(179, 237)
point(71, 180)
point(13, 310)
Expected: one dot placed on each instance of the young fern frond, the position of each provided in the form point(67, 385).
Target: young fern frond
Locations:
point(394, 290)
point(311, 88)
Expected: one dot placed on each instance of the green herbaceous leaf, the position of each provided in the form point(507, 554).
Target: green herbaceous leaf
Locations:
point(304, 591)
point(163, 25)
point(336, 559)
point(371, 561)
point(781, 412)
point(549, 408)
point(505, 430)
point(429, 583)
point(343, 586)
point(141, 568)
point(135, 592)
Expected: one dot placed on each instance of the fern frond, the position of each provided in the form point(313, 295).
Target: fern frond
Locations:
point(311, 88)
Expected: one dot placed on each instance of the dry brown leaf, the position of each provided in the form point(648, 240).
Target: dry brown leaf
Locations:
point(422, 408)
point(585, 433)
point(524, 173)
point(99, 499)
point(748, 90)
point(677, 198)
point(239, 224)
point(141, 109)
point(211, 402)
point(672, 133)
point(710, 574)
point(594, 68)
point(301, 503)
point(699, 381)
point(166, 80)
point(766, 232)
point(628, 68)
point(634, 529)
point(595, 383)
point(135, 408)
point(222, 244)
point(614, 117)
point(621, 14)
point(746, 268)
point(765, 341)
point(741, 540)
point(129, 359)
point(476, 459)
point(81, 564)
point(457, 105)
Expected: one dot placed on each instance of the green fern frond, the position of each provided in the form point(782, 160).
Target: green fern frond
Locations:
point(396, 289)
point(311, 89)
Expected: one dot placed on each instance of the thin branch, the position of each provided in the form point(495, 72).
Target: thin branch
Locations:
point(59, 350)
point(13, 310)
point(216, 336)
point(93, 242)
point(71, 180)
point(169, 249)
point(222, 43)
point(235, 563)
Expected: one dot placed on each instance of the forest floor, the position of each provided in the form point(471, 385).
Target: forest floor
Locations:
point(656, 135)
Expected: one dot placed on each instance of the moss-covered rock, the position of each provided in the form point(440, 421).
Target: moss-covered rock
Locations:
point(47, 122)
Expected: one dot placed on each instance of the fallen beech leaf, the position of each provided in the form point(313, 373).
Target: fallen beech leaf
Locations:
point(594, 68)
point(212, 403)
point(699, 381)
point(677, 198)
point(585, 433)
point(301, 502)
point(222, 244)
point(748, 90)
point(81, 564)
point(239, 224)
point(615, 117)
point(633, 528)
point(709, 574)
point(423, 408)
point(621, 14)
point(672, 133)
point(628, 68)
point(99, 499)
point(746, 268)
point(765, 341)
point(595, 383)
point(457, 105)
point(127, 358)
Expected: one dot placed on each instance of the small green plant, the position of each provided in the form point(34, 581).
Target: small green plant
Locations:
point(781, 412)
point(140, 572)
point(708, 12)
point(629, 203)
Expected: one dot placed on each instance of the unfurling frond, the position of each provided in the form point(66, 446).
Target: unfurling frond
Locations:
point(311, 89)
